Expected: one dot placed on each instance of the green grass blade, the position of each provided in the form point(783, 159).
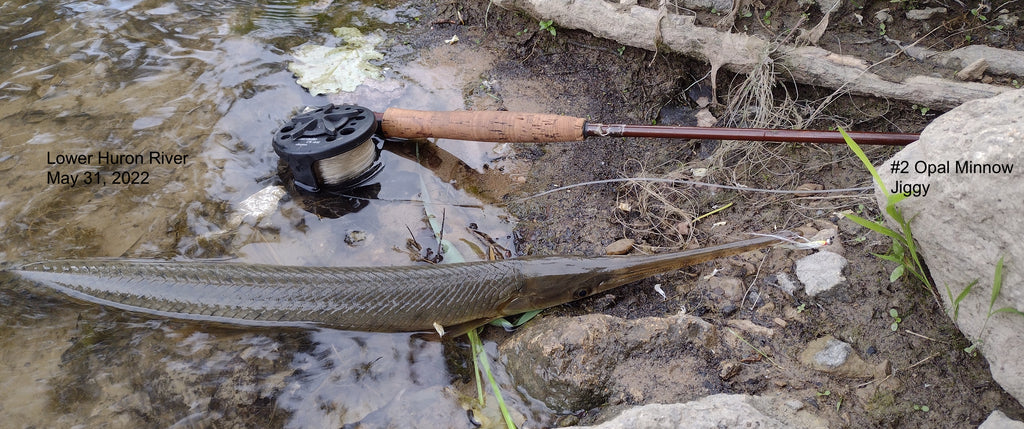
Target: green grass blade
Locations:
point(864, 159)
point(474, 348)
point(997, 283)
point(874, 226)
point(959, 298)
point(484, 362)
point(1010, 310)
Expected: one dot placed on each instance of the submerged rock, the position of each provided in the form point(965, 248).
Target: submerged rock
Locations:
point(970, 219)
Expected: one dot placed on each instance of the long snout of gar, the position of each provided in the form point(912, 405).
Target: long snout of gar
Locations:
point(456, 297)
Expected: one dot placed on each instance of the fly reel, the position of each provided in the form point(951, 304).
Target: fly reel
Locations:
point(330, 147)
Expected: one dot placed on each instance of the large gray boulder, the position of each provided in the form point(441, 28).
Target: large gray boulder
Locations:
point(970, 217)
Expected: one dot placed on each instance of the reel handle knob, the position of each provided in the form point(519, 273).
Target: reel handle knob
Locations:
point(483, 126)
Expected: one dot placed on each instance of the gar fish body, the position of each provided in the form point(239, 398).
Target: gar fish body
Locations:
point(456, 297)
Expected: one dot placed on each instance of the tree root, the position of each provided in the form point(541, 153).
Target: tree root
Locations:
point(641, 27)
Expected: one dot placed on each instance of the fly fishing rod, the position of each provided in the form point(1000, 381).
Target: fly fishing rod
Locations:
point(339, 145)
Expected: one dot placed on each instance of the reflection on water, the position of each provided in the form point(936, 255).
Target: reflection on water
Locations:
point(197, 89)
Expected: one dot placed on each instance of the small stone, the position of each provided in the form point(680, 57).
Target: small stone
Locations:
point(803, 190)
point(786, 283)
point(729, 287)
point(728, 310)
point(973, 71)
point(795, 404)
point(683, 228)
point(706, 119)
point(830, 355)
point(883, 16)
point(1006, 19)
point(923, 14)
point(820, 272)
point(806, 230)
point(620, 247)
point(355, 238)
point(751, 327)
point(871, 350)
point(793, 314)
point(780, 322)
point(729, 369)
point(834, 354)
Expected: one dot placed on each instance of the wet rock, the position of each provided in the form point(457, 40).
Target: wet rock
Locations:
point(999, 420)
point(576, 363)
point(974, 70)
point(923, 14)
point(968, 221)
point(830, 355)
point(355, 238)
point(820, 272)
point(712, 412)
point(619, 247)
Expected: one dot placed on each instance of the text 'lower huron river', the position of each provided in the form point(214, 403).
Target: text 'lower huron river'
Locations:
point(152, 157)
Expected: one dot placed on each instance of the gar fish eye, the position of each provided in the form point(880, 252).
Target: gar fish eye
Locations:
point(581, 293)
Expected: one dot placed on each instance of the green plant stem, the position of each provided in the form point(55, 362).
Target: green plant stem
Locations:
point(904, 248)
point(480, 354)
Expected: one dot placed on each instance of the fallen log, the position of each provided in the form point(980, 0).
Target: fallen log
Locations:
point(646, 28)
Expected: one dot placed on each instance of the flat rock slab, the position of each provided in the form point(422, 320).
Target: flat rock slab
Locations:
point(713, 412)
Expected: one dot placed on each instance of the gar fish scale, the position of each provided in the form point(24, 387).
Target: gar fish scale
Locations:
point(357, 298)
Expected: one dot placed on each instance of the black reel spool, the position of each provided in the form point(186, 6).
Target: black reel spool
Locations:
point(330, 146)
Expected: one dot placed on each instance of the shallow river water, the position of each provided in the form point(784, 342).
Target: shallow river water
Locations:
point(198, 89)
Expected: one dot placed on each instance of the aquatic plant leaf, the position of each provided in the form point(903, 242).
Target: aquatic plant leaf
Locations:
point(325, 69)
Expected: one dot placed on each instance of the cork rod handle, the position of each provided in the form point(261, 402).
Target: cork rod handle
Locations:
point(484, 126)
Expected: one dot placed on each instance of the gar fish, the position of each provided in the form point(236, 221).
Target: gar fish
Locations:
point(455, 297)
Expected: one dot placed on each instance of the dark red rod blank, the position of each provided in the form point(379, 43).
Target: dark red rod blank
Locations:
point(749, 134)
